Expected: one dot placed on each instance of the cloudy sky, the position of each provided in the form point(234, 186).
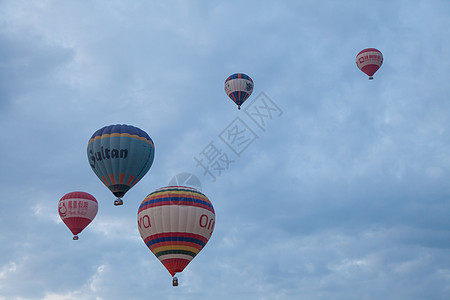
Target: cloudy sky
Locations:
point(341, 192)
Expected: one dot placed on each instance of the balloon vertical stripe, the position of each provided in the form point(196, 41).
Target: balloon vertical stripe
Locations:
point(130, 179)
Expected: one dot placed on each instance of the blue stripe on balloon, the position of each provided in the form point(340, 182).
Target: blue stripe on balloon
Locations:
point(175, 199)
point(121, 129)
point(176, 238)
point(239, 75)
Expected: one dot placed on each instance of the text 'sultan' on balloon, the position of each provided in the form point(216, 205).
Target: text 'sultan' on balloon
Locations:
point(369, 61)
point(120, 156)
point(175, 223)
point(239, 87)
point(77, 210)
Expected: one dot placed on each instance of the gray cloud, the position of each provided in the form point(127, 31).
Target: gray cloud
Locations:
point(344, 196)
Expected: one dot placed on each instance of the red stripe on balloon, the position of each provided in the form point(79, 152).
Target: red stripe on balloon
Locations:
point(176, 234)
point(111, 177)
point(175, 265)
point(121, 178)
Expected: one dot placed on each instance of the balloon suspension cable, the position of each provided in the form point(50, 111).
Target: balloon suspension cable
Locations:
point(175, 281)
point(75, 237)
point(118, 201)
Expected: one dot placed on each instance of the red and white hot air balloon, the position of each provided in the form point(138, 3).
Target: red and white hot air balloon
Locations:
point(369, 61)
point(77, 210)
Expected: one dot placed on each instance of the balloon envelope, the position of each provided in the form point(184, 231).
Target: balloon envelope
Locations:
point(369, 61)
point(77, 210)
point(120, 155)
point(239, 87)
point(175, 223)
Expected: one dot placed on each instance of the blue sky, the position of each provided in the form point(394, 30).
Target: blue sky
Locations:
point(343, 193)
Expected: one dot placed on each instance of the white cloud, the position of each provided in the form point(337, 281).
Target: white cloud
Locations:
point(116, 228)
point(9, 268)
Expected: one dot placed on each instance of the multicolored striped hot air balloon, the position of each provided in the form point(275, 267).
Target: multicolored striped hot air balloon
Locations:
point(120, 155)
point(77, 210)
point(369, 61)
point(239, 87)
point(175, 223)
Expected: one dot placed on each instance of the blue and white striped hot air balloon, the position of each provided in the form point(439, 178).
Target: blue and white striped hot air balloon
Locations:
point(239, 87)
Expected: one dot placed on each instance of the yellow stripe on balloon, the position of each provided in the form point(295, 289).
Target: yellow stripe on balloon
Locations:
point(181, 247)
point(134, 136)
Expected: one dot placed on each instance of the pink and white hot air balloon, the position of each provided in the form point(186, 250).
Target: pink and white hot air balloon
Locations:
point(77, 210)
point(369, 61)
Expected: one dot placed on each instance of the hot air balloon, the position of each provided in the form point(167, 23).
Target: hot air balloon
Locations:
point(120, 155)
point(175, 223)
point(369, 61)
point(239, 87)
point(77, 210)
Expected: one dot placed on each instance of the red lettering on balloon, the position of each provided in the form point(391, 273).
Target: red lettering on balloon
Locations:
point(144, 221)
point(207, 223)
point(203, 221)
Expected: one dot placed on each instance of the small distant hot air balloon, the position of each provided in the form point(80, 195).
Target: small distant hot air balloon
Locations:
point(369, 61)
point(239, 87)
point(77, 210)
point(120, 155)
point(175, 223)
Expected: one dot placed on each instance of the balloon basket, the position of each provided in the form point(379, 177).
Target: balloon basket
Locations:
point(118, 202)
point(75, 237)
point(175, 281)
point(370, 78)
